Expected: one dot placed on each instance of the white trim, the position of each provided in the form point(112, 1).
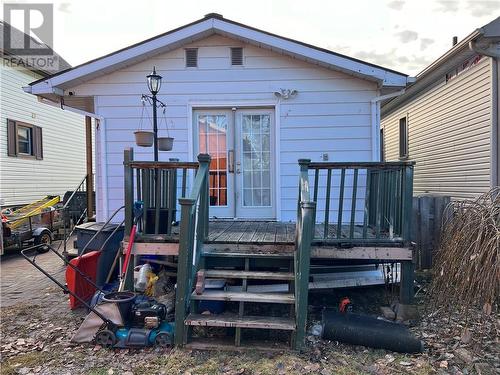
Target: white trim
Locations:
point(104, 170)
point(375, 121)
point(350, 66)
point(193, 105)
point(176, 39)
point(277, 160)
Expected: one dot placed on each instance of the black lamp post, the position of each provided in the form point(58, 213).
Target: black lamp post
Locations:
point(154, 84)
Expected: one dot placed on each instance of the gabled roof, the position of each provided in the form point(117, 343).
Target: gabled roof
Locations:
point(18, 36)
point(215, 24)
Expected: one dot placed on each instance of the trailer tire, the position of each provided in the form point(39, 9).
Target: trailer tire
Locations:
point(43, 238)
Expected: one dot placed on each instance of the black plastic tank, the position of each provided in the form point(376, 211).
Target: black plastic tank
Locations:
point(365, 330)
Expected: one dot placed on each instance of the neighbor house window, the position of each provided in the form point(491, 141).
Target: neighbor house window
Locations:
point(24, 139)
point(191, 57)
point(403, 138)
point(237, 56)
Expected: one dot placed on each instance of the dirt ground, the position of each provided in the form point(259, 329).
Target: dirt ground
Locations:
point(36, 325)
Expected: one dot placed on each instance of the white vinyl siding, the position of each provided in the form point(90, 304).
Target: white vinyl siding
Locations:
point(24, 179)
point(330, 114)
point(449, 135)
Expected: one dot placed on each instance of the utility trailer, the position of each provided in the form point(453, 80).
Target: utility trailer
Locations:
point(33, 229)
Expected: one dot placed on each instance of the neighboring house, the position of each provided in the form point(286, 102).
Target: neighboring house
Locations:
point(266, 99)
point(447, 121)
point(42, 148)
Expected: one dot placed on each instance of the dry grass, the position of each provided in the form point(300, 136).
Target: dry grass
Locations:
point(467, 265)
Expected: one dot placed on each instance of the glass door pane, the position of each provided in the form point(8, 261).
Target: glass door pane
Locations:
point(213, 135)
point(256, 155)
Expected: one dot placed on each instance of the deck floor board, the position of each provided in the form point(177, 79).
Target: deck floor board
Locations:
point(257, 232)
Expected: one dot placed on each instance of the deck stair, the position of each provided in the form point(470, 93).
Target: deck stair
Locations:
point(245, 310)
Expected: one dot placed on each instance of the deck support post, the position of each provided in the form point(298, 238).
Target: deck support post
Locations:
point(406, 291)
point(128, 156)
point(184, 269)
point(303, 257)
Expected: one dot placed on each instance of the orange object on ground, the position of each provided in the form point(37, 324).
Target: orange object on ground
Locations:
point(76, 283)
point(345, 305)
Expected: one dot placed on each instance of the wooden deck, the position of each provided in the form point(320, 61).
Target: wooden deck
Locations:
point(266, 238)
point(257, 232)
point(251, 232)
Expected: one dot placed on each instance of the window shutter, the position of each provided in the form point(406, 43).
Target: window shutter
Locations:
point(11, 138)
point(37, 142)
point(191, 57)
point(237, 56)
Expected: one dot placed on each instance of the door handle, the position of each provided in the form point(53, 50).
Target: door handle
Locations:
point(230, 161)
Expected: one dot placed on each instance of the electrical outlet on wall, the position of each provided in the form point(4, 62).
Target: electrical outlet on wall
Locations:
point(324, 157)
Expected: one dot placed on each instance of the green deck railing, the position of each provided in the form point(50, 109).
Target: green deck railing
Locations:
point(193, 232)
point(348, 204)
point(361, 203)
point(152, 183)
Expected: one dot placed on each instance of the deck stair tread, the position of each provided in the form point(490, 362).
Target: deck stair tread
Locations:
point(218, 295)
point(201, 343)
point(256, 275)
point(232, 320)
point(242, 252)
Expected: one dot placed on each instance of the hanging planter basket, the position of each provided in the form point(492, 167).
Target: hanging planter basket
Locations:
point(165, 143)
point(144, 138)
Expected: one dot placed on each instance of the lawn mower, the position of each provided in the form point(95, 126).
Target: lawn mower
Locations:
point(143, 320)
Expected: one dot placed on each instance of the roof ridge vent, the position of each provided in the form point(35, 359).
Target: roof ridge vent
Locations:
point(214, 15)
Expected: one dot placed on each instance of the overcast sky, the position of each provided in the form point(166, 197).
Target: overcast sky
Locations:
point(405, 35)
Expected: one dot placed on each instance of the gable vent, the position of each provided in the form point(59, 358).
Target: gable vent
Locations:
point(191, 57)
point(237, 56)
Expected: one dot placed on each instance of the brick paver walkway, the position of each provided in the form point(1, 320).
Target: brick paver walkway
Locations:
point(23, 283)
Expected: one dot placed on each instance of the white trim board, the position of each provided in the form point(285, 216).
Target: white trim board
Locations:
point(201, 29)
point(192, 106)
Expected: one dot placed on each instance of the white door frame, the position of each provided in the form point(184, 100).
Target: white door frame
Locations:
point(193, 105)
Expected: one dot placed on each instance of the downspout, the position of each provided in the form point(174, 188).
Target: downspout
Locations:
point(495, 132)
point(375, 118)
point(104, 169)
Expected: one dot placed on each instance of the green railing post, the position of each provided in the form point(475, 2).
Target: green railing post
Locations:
point(303, 253)
point(407, 202)
point(171, 201)
point(204, 160)
point(128, 156)
point(184, 268)
point(406, 291)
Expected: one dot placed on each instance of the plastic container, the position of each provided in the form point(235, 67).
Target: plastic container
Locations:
point(87, 264)
point(84, 234)
point(144, 138)
point(124, 301)
point(142, 277)
point(165, 143)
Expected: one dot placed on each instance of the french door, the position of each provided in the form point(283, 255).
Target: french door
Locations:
point(241, 145)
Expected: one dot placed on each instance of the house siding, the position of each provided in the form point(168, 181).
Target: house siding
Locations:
point(63, 166)
point(330, 114)
point(449, 134)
